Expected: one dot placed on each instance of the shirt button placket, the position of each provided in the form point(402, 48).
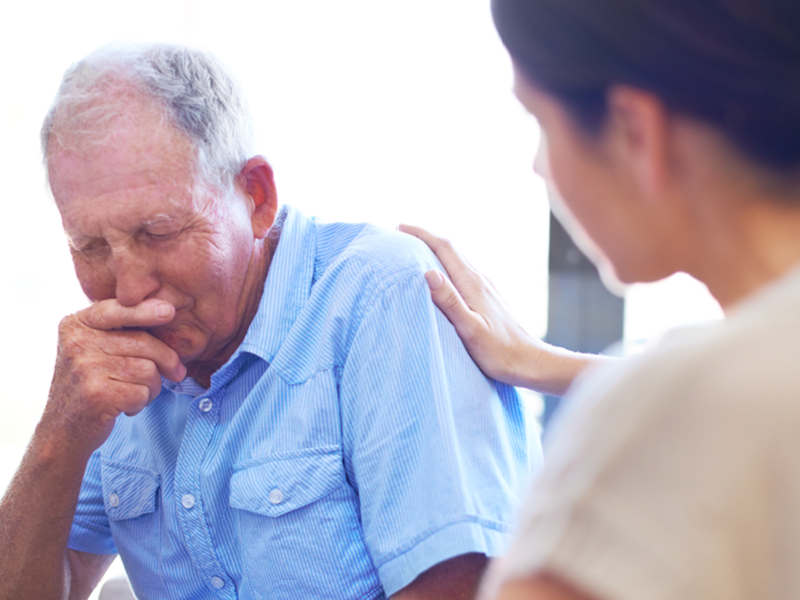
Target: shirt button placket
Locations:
point(200, 427)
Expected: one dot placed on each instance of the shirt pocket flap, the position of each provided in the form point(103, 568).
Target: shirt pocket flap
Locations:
point(128, 491)
point(276, 487)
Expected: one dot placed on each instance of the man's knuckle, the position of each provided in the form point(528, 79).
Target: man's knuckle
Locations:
point(128, 368)
point(141, 395)
point(65, 325)
point(68, 327)
point(69, 346)
point(94, 389)
point(149, 369)
point(134, 343)
point(138, 343)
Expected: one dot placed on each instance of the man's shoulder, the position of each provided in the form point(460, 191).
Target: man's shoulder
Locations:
point(369, 255)
point(370, 244)
point(364, 278)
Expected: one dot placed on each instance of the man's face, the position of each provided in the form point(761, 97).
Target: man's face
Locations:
point(140, 226)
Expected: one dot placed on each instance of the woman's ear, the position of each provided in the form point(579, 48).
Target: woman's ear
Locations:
point(259, 181)
point(640, 124)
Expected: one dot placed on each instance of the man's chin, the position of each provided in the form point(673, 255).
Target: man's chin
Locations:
point(182, 346)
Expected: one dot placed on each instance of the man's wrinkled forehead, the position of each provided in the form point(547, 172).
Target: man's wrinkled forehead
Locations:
point(136, 146)
point(90, 117)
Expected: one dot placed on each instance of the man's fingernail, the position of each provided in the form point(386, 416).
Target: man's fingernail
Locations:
point(163, 311)
point(435, 279)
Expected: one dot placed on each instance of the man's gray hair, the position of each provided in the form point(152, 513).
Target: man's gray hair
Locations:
point(196, 92)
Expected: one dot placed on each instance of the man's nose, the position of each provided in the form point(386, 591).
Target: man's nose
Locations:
point(136, 275)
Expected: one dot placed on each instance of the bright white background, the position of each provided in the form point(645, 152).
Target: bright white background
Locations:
point(368, 111)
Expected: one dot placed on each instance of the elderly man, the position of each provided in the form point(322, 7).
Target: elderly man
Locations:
point(255, 404)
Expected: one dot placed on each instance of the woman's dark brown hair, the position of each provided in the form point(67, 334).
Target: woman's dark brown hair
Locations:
point(734, 64)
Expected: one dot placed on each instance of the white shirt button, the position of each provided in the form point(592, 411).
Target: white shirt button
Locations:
point(113, 500)
point(217, 583)
point(206, 405)
point(188, 501)
point(276, 496)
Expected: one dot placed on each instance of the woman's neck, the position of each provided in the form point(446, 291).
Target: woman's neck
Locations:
point(760, 245)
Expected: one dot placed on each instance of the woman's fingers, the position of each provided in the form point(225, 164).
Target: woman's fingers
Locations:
point(450, 302)
point(418, 232)
point(452, 260)
point(497, 343)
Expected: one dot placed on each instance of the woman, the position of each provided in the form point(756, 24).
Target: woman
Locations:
point(673, 133)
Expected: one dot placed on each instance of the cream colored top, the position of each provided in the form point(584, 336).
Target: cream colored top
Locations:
point(676, 474)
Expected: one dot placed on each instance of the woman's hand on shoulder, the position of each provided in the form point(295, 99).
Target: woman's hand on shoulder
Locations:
point(494, 339)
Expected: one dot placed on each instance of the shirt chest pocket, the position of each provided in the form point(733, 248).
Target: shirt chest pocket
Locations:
point(128, 491)
point(300, 529)
point(131, 500)
point(276, 487)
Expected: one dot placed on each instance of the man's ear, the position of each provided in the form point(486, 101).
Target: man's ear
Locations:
point(257, 178)
point(641, 126)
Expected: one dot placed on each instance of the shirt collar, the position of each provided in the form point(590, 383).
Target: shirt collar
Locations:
point(287, 287)
point(286, 290)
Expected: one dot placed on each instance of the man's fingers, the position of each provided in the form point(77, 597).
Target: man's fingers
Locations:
point(169, 364)
point(132, 398)
point(126, 385)
point(110, 314)
point(139, 372)
point(140, 344)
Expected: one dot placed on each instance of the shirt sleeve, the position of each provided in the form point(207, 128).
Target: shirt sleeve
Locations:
point(438, 454)
point(91, 531)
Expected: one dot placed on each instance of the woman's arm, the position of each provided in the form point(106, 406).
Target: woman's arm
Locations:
point(497, 343)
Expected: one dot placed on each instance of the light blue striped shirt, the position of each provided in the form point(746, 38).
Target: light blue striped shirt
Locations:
point(347, 446)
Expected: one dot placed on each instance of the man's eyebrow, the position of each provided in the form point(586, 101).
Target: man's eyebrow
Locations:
point(159, 218)
point(78, 240)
